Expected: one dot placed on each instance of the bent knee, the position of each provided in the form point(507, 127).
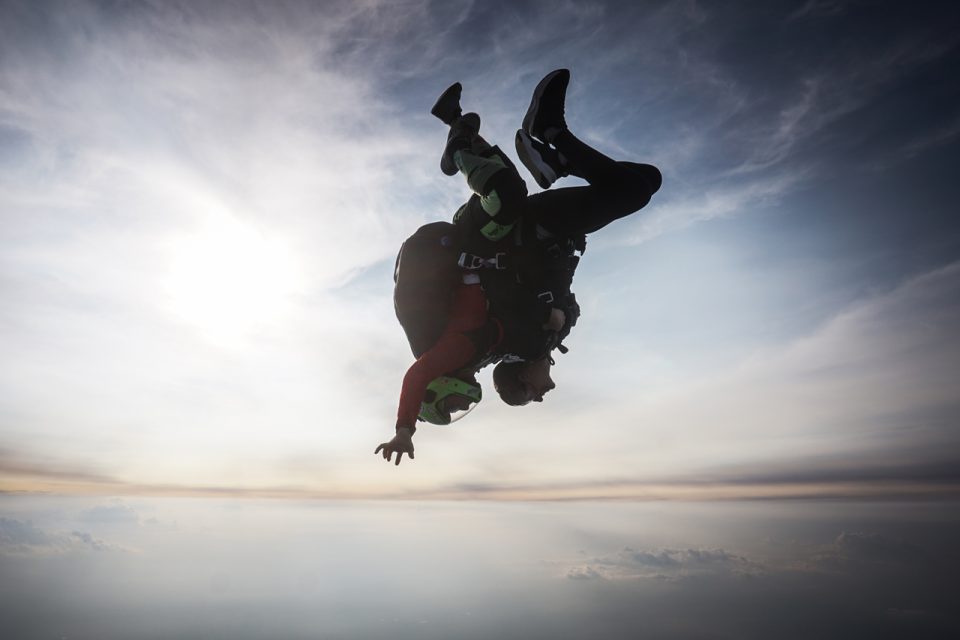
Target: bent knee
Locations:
point(644, 178)
point(651, 176)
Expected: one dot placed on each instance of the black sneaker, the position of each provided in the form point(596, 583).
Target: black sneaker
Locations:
point(462, 133)
point(546, 107)
point(447, 106)
point(542, 161)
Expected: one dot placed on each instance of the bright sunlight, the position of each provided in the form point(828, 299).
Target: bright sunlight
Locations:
point(229, 279)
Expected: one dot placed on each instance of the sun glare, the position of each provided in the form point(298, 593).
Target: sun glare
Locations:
point(228, 279)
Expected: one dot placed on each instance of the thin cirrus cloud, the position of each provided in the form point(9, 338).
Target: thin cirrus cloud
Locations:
point(211, 120)
point(877, 378)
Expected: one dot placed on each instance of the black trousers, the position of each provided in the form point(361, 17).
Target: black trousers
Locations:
point(614, 190)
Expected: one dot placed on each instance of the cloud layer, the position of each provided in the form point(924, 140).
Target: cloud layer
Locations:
point(837, 570)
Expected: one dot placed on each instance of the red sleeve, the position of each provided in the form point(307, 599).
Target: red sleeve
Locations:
point(452, 351)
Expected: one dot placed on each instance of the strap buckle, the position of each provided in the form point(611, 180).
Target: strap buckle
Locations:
point(472, 262)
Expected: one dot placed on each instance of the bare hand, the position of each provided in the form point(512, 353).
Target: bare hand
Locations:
point(557, 319)
point(401, 443)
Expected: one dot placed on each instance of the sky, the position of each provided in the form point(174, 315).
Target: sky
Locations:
point(754, 434)
point(201, 205)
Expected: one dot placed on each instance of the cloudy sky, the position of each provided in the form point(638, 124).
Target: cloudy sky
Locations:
point(201, 204)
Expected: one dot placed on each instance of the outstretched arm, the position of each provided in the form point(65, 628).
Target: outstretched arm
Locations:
point(454, 350)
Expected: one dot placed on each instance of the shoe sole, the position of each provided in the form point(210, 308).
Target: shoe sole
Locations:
point(535, 101)
point(542, 172)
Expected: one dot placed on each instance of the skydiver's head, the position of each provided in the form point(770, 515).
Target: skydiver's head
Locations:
point(449, 398)
point(520, 383)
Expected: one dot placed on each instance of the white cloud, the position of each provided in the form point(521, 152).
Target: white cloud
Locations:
point(24, 538)
point(633, 564)
point(115, 512)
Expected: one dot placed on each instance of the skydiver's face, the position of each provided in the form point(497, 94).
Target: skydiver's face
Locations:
point(536, 380)
point(456, 406)
point(456, 403)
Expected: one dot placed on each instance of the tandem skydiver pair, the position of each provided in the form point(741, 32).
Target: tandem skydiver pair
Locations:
point(494, 285)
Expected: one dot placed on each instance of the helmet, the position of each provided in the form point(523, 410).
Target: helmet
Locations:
point(448, 399)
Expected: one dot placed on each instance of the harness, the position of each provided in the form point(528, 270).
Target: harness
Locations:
point(540, 270)
point(472, 262)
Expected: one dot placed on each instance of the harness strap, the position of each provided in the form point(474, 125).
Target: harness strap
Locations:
point(470, 261)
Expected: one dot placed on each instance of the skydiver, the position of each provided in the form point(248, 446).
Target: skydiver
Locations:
point(508, 316)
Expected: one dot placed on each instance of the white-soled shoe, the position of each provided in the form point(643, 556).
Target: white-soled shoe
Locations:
point(540, 159)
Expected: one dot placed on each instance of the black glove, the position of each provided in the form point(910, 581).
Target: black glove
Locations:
point(572, 309)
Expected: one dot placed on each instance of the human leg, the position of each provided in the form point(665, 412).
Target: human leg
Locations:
point(499, 191)
point(615, 189)
point(576, 210)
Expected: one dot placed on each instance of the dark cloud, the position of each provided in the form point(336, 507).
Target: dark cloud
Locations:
point(908, 469)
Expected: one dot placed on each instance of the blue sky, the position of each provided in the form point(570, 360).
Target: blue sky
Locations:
point(202, 202)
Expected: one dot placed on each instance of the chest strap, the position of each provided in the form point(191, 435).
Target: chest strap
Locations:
point(470, 261)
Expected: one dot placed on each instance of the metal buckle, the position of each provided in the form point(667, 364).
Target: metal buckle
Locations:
point(475, 262)
point(472, 262)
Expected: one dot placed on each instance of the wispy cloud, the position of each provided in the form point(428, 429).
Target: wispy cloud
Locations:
point(930, 140)
point(877, 378)
point(696, 205)
point(820, 8)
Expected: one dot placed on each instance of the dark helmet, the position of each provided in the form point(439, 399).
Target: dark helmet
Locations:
point(448, 399)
